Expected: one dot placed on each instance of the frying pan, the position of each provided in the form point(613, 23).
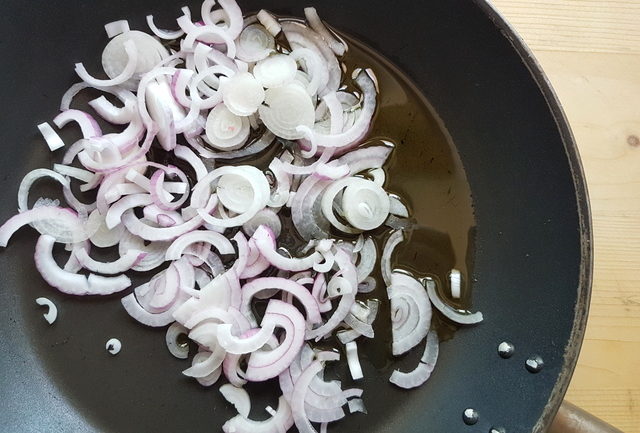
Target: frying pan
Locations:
point(532, 255)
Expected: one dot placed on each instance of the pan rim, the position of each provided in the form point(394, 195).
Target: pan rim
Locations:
point(581, 310)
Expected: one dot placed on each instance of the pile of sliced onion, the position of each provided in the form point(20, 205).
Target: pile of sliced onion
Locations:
point(184, 191)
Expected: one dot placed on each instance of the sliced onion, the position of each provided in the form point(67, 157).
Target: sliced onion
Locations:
point(280, 422)
point(316, 24)
point(126, 71)
point(269, 22)
point(241, 346)
point(117, 27)
point(276, 70)
point(255, 43)
point(454, 283)
point(225, 130)
point(242, 94)
point(148, 53)
point(297, 290)
point(88, 125)
point(180, 351)
point(212, 377)
point(408, 334)
point(265, 365)
point(385, 262)
point(301, 388)
point(353, 360)
point(51, 137)
point(265, 239)
point(457, 316)
point(163, 34)
point(359, 128)
point(178, 247)
point(267, 218)
point(424, 369)
point(61, 224)
point(346, 301)
point(73, 284)
point(238, 397)
point(123, 264)
point(52, 311)
point(287, 108)
point(255, 178)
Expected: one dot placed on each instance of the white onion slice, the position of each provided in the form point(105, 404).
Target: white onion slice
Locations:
point(259, 185)
point(163, 34)
point(126, 70)
point(113, 346)
point(359, 128)
point(116, 27)
point(123, 264)
point(353, 360)
point(255, 43)
point(70, 283)
point(52, 311)
point(455, 281)
point(287, 108)
point(226, 130)
point(62, 224)
point(269, 22)
point(275, 71)
point(457, 316)
point(242, 94)
point(301, 388)
point(238, 397)
point(365, 205)
point(406, 290)
point(256, 285)
point(316, 24)
point(178, 247)
point(281, 422)
point(424, 369)
point(241, 346)
point(51, 137)
point(265, 217)
point(385, 261)
point(180, 351)
point(148, 53)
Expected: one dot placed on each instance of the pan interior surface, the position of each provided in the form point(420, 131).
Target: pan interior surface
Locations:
point(524, 234)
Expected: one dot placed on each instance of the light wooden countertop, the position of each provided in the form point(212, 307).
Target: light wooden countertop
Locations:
point(590, 49)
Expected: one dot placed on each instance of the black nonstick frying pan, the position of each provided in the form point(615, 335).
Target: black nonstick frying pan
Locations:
point(532, 254)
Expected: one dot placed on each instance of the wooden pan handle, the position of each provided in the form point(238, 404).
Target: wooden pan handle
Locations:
point(572, 419)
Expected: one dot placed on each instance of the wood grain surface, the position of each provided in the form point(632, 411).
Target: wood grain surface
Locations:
point(590, 49)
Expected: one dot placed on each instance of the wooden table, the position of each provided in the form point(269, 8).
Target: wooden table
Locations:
point(590, 49)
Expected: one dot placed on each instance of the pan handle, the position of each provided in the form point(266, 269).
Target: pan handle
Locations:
point(572, 419)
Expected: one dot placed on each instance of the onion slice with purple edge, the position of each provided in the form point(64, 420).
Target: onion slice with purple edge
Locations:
point(69, 283)
point(178, 247)
point(346, 301)
point(300, 292)
point(265, 365)
point(65, 225)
